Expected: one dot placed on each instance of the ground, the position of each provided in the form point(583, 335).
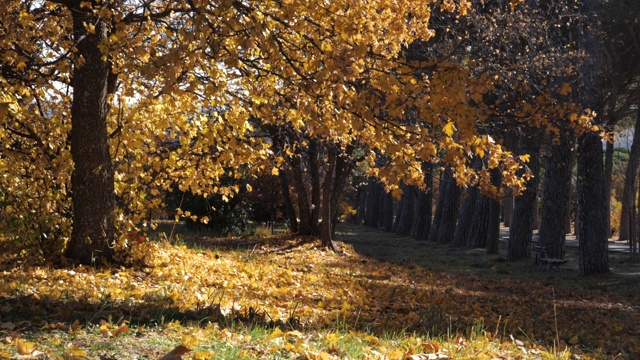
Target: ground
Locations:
point(384, 297)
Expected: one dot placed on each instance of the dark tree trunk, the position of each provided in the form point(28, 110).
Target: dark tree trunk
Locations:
point(629, 181)
point(493, 226)
point(479, 223)
point(445, 177)
point(555, 197)
point(593, 247)
point(362, 204)
point(385, 218)
point(92, 179)
point(461, 235)
point(288, 203)
point(314, 172)
point(406, 211)
point(593, 232)
point(373, 203)
point(327, 191)
point(424, 205)
point(525, 205)
point(304, 226)
point(608, 173)
point(449, 215)
point(507, 209)
point(399, 211)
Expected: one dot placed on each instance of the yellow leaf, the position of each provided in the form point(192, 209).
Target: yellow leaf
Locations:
point(332, 339)
point(449, 129)
point(372, 339)
point(4, 355)
point(203, 355)
point(275, 334)
point(77, 352)
point(275, 171)
point(104, 329)
point(190, 341)
point(24, 347)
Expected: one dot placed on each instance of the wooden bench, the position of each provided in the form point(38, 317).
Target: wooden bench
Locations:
point(545, 262)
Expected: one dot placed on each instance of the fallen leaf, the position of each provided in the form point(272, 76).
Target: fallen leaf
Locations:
point(176, 354)
point(77, 353)
point(24, 347)
point(431, 347)
point(122, 329)
point(8, 326)
point(275, 334)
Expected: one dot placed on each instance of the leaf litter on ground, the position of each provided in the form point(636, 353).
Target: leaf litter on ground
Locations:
point(286, 298)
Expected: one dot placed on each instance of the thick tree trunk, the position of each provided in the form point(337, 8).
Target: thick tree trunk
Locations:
point(288, 203)
point(507, 209)
point(555, 198)
point(593, 232)
point(525, 205)
point(461, 235)
point(305, 227)
point(314, 172)
point(385, 218)
point(327, 191)
point(373, 203)
point(445, 177)
point(629, 181)
point(450, 208)
point(92, 179)
point(479, 223)
point(406, 211)
point(593, 247)
point(424, 205)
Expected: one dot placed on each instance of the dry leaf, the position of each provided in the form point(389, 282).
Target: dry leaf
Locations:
point(176, 354)
point(77, 353)
point(25, 347)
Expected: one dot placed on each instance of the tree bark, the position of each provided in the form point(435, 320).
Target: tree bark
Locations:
point(461, 235)
point(288, 203)
point(362, 204)
point(479, 223)
point(373, 203)
point(608, 173)
point(424, 206)
point(445, 178)
point(593, 232)
point(406, 211)
point(327, 191)
point(593, 247)
point(525, 205)
point(304, 226)
point(493, 226)
point(555, 198)
point(92, 179)
point(629, 181)
point(507, 208)
point(385, 217)
point(449, 215)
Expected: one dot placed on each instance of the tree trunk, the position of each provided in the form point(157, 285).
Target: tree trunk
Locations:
point(479, 223)
point(445, 177)
point(555, 198)
point(493, 226)
point(608, 173)
point(327, 191)
point(314, 172)
point(449, 215)
point(373, 203)
point(288, 203)
point(507, 208)
point(593, 232)
point(629, 181)
point(461, 235)
point(385, 218)
point(525, 205)
point(424, 205)
point(406, 211)
point(593, 247)
point(304, 226)
point(92, 179)
point(362, 204)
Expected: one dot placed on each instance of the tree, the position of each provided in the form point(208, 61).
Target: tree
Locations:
point(166, 93)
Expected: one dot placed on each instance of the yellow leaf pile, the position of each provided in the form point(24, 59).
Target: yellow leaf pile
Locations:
point(294, 285)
